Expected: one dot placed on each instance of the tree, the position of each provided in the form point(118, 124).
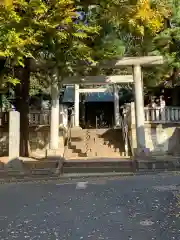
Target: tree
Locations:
point(167, 43)
point(142, 27)
point(45, 32)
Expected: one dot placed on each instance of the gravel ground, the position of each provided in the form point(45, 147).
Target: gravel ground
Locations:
point(127, 208)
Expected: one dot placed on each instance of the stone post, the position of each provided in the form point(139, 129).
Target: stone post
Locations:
point(14, 135)
point(132, 113)
point(63, 112)
point(54, 124)
point(133, 140)
point(76, 105)
point(139, 108)
point(116, 106)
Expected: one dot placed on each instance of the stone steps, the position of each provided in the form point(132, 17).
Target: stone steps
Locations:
point(101, 143)
point(103, 153)
point(99, 166)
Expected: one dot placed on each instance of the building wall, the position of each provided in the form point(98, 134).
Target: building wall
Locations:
point(160, 138)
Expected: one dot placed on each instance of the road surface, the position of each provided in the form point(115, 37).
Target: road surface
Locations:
point(127, 208)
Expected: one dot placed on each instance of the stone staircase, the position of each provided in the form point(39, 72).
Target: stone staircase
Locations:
point(102, 166)
point(95, 143)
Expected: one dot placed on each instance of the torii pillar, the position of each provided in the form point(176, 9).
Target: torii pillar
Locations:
point(76, 105)
point(139, 108)
point(116, 106)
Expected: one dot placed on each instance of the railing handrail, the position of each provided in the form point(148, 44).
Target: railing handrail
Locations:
point(159, 107)
point(70, 125)
point(127, 141)
point(39, 111)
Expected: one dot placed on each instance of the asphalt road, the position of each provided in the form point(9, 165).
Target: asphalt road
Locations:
point(127, 208)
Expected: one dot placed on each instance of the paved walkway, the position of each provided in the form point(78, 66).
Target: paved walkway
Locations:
point(127, 208)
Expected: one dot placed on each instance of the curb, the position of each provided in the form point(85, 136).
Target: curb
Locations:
point(70, 177)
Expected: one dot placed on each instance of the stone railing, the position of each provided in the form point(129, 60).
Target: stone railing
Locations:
point(161, 129)
point(43, 117)
point(153, 115)
point(162, 115)
point(4, 118)
point(36, 118)
point(39, 117)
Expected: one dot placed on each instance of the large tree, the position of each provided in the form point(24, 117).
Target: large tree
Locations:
point(45, 33)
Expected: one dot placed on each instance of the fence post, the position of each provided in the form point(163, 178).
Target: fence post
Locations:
point(14, 139)
point(168, 114)
point(163, 114)
point(176, 114)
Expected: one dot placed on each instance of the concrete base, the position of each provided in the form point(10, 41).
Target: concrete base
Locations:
point(15, 164)
point(76, 128)
point(158, 164)
point(54, 154)
point(143, 152)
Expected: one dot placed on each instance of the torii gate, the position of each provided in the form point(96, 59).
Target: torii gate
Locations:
point(97, 80)
point(136, 63)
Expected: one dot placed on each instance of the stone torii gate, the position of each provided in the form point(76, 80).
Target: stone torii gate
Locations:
point(97, 80)
point(137, 63)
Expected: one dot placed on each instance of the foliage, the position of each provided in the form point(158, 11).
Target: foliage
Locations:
point(137, 16)
point(127, 26)
point(43, 30)
point(65, 33)
point(168, 43)
point(39, 83)
point(145, 27)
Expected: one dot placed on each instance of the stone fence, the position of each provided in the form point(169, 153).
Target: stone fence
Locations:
point(162, 129)
point(39, 132)
point(37, 118)
point(162, 115)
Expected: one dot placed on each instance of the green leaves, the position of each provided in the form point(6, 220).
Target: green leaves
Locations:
point(63, 34)
point(48, 31)
point(137, 16)
point(167, 42)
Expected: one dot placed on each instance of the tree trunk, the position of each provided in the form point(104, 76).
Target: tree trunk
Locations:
point(175, 96)
point(22, 105)
point(54, 125)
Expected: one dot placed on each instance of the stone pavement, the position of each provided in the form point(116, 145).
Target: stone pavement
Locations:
point(127, 208)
